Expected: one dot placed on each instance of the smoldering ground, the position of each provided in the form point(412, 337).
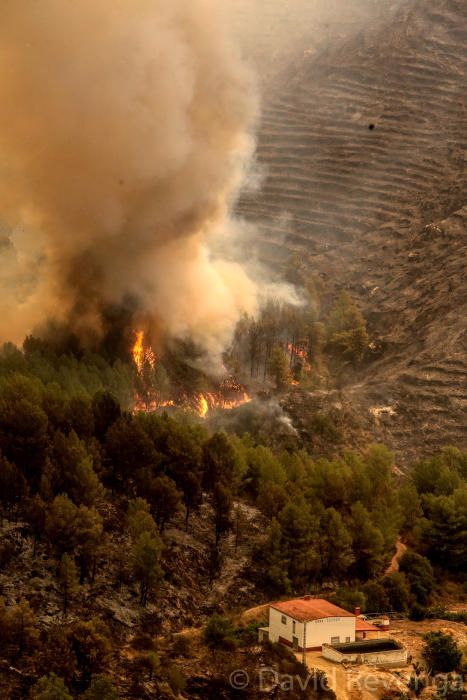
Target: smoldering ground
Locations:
point(264, 419)
point(125, 132)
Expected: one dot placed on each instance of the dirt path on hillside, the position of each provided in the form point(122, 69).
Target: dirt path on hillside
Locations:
point(355, 682)
point(336, 675)
point(394, 565)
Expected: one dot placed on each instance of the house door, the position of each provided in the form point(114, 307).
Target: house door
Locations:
point(295, 643)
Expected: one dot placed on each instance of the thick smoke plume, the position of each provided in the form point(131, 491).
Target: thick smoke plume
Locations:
point(125, 130)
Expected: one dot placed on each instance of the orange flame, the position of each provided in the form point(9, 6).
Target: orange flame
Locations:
point(142, 355)
point(214, 401)
point(231, 394)
point(138, 351)
point(302, 354)
point(203, 406)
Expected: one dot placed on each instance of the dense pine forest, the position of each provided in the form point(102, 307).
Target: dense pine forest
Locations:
point(93, 495)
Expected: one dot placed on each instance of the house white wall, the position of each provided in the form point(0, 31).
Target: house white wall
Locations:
point(286, 630)
point(330, 630)
point(318, 632)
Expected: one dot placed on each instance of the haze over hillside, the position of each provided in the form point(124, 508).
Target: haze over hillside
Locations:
point(362, 146)
point(273, 33)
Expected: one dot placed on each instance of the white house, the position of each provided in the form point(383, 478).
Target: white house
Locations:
point(307, 623)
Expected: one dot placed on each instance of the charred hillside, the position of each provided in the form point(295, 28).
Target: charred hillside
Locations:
point(330, 178)
point(417, 305)
point(363, 150)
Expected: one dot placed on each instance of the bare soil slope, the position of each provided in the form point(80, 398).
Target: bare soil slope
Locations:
point(363, 148)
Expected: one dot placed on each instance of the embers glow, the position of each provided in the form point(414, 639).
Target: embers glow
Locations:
point(229, 395)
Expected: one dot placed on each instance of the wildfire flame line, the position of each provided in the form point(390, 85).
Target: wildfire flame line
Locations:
point(202, 403)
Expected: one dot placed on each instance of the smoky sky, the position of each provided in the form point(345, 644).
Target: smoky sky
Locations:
point(125, 132)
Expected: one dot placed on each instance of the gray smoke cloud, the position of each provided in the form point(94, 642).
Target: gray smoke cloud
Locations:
point(126, 129)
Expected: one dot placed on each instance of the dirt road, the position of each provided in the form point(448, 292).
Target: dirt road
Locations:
point(394, 565)
point(336, 674)
point(356, 682)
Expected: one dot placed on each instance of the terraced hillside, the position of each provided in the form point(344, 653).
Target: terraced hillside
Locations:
point(329, 177)
point(418, 305)
point(275, 32)
point(413, 394)
point(363, 147)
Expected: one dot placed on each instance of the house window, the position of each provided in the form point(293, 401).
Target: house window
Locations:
point(293, 626)
point(347, 639)
point(335, 640)
point(284, 620)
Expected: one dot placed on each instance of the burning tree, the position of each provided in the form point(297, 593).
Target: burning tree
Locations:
point(155, 390)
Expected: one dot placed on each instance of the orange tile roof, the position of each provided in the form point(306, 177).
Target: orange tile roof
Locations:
point(364, 626)
point(307, 609)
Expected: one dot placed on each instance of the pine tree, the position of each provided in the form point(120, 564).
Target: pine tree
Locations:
point(22, 627)
point(442, 531)
point(151, 661)
point(50, 687)
point(56, 655)
point(60, 524)
point(299, 537)
point(222, 502)
point(275, 564)
point(67, 580)
point(92, 647)
point(164, 498)
point(278, 368)
point(335, 546)
point(220, 461)
point(146, 563)
point(139, 518)
point(76, 475)
point(347, 338)
point(13, 488)
point(88, 540)
point(36, 510)
point(368, 544)
point(101, 688)
point(441, 653)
